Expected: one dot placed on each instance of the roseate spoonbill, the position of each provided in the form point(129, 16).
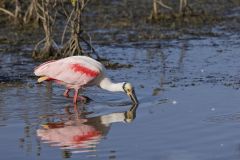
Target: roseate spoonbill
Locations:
point(76, 72)
point(81, 132)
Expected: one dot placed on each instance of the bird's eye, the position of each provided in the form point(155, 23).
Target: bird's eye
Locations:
point(128, 90)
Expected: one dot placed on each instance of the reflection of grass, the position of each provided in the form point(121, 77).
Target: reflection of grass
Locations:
point(111, 65)
point(130, 20)
point(176, 20)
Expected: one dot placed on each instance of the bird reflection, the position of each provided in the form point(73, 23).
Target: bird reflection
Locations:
point(77, 132)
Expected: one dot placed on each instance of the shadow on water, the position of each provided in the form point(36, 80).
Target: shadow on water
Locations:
point(75, 132)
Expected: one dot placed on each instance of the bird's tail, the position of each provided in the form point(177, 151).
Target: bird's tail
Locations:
point(38, 71)
point(43, 78)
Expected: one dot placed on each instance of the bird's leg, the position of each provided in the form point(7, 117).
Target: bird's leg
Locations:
point(75, 98)
point(82, 99)
point(66, 93)
point(76, 111)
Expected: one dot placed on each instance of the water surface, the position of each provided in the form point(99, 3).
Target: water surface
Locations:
point(189, 106)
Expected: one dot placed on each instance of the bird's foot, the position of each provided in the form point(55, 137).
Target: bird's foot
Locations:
point(84, 99)
point(66, 93)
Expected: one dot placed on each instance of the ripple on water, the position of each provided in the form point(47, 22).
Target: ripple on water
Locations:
point(185, 111)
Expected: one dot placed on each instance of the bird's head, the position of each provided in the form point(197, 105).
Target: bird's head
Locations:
point(128, 88)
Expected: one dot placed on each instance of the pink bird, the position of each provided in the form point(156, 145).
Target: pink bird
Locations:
point(77, 72)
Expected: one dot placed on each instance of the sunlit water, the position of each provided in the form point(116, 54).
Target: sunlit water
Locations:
point(189, 106)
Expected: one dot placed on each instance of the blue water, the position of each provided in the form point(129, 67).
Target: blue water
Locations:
point(189, 106)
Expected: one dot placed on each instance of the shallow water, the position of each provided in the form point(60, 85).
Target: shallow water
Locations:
point(189, 106)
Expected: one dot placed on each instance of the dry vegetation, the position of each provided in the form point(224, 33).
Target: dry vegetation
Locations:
point(48, 14)
point(69, 26)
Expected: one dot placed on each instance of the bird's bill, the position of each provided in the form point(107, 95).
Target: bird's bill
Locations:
point(133, 97)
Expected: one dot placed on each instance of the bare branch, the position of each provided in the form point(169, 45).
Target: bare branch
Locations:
point(66, 26)
point(163, 5)
point(7, 12)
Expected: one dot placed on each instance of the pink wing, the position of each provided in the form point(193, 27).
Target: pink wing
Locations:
point(72, 70)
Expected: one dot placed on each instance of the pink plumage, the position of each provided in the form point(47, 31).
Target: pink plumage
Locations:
point(80, 71)
point(73, 72)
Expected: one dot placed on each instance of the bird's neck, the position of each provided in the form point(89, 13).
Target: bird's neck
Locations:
point(107, 84)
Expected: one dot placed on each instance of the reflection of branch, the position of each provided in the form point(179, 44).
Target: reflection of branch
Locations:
point(162, 72)
point(182, 56)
